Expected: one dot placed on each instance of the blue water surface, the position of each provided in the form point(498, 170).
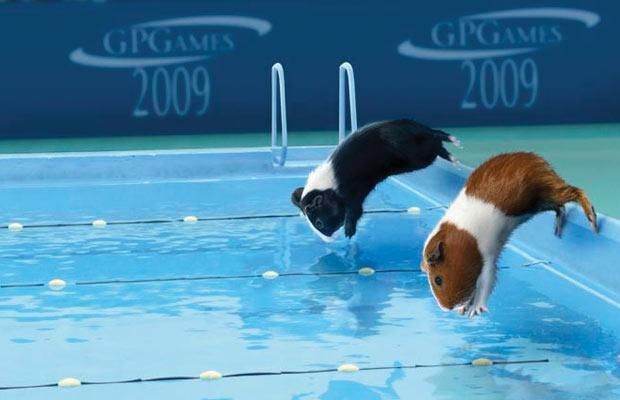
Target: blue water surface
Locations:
point(97, 330)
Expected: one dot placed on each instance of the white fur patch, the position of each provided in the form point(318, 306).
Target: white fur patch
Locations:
point(321, 178)
point(485, 222)
point(491, 228)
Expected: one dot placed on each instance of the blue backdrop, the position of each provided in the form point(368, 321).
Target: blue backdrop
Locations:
point(134, 67)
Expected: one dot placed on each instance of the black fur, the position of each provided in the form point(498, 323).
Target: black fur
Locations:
point(365, 158)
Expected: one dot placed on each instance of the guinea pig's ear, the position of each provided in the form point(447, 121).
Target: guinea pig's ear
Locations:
point(317, 201)
point(296, 197)
point(436, 255)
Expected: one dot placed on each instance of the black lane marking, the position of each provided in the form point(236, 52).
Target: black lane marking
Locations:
point(176, 279)
point(216, 277)
point(203, 278)
point(28, 386)
point(21, 285)
point(204, 219)
point(276, 373)
point(224, 277)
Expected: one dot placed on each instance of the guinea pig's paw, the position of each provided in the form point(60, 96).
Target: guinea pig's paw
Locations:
point(349, 229)
point(455, 141)
point(477, 309)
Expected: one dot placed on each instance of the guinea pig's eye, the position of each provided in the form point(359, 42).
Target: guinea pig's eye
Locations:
point(438, 280)
point(318, 223)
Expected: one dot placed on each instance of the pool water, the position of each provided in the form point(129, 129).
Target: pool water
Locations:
point(172, 299)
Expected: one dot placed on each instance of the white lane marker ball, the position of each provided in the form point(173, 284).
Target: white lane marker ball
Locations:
point(190, 219)
point(348, 368)
point(366, 271)
point(57, 284)
point(15, 226)
point(210, 375)
point(414, 210)
point(99, 223)
point(69, 383)
point(482, 362)
point(270, 274)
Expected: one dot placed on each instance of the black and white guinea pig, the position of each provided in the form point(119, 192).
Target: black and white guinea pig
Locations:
point(335, 191)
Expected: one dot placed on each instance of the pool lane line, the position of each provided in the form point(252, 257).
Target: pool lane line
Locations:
point(215, 277)
point(208, 219)
point(21, 285)
point(225, 277)
point(204, 278)
point(278, 373)
point(28, 386)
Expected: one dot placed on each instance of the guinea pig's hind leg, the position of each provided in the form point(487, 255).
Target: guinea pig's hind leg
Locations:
point(566, 193)
point(446, 137)
point(560, 216)
point(588, 209)
point(446, 155)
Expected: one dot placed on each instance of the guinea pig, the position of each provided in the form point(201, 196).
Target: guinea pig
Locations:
point(460, 254)
point(335, 191)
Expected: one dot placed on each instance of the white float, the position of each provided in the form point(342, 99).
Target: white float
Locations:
point(482, 362)
point(414, 210)
point(56, 284)
point(15, 226)
point(99, 223)
point(270, 274)
point(210, 375)
point(190, 219)
point(348, 368)
point(69, 383)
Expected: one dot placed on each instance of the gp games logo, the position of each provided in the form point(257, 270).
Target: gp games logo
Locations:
point(165, 58)
point(497, 34)
point(171, 41)
point(496, 50)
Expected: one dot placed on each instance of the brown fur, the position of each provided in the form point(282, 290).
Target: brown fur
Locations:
point(519, 184)
point(461, 256)
point(524, 183)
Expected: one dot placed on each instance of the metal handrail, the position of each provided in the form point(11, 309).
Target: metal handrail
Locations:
point(346, 71)
point(277, 82)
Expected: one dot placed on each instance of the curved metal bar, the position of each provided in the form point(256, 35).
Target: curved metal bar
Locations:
point(277, 85)
point(346, 71)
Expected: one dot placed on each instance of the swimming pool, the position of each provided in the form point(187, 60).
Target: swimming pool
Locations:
point(149, 296)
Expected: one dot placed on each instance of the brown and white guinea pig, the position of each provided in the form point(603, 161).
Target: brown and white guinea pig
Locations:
point(460, 253)
point(335, 191)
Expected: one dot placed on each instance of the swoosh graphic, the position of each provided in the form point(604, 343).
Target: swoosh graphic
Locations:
point(408, 49)
point(78, 56)
point(259, 25)
point(590, 19)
